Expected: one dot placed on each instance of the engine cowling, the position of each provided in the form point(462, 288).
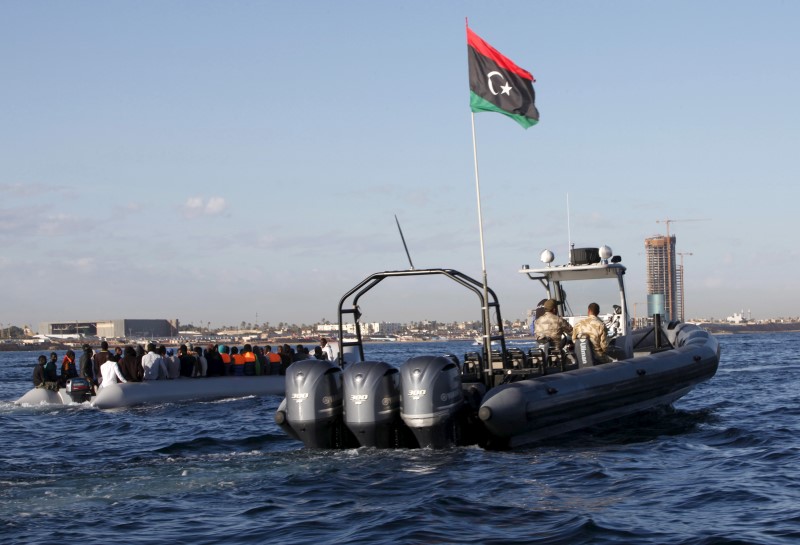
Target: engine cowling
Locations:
point(432, 400)
point(313, 410)
point(372, 405)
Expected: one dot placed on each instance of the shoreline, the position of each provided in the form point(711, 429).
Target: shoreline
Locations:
point(714, 329)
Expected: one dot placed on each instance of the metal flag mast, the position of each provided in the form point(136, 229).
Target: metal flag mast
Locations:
point(487, 326)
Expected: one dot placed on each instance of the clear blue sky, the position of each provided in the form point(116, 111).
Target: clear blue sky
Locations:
point(243, 161)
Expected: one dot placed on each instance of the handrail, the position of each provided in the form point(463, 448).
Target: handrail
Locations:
point(468, 282)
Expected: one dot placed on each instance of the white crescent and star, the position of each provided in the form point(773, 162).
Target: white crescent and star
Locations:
point(505, 89)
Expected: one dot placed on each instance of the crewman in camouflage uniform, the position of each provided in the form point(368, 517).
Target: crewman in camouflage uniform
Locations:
point(593, 328)
point(551, 324)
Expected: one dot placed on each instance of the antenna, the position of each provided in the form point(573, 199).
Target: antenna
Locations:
point(569, 233)
point(404, 241)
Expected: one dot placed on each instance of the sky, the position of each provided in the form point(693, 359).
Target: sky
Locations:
point(220, 162)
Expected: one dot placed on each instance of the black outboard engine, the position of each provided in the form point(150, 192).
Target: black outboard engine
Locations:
point(312, 410)
point(372, 405)
point(79, 389)
point(432, 401)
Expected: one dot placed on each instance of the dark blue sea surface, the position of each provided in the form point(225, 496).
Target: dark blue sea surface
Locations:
point(721, 468)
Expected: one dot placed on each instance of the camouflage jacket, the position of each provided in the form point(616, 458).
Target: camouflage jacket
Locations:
point(551, 325)
point(594, 328)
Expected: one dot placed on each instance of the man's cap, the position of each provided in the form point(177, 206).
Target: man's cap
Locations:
point(550, 305)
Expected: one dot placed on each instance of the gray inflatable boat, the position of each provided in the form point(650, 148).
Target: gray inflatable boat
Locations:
point(499, 397)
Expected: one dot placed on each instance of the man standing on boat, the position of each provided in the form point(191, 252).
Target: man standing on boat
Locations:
point(86, 367)
point(152, 364)
point(551, 325)
point(99, 359)
point(327, 350)
point(595, 330)
point(110, 373)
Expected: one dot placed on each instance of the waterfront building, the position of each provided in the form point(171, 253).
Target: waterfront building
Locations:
point(113, 329)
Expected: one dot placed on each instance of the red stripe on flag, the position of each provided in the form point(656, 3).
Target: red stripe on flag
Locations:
point(477, 43)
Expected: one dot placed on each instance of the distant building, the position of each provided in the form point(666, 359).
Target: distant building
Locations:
point(367, 328)
point(737, 318)
point(113, 329)
point(662, 277)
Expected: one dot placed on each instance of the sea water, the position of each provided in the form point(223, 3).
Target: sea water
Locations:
point(721, 468)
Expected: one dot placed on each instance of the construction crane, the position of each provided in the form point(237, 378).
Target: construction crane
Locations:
point(670, 291)
point(683, 284)
point(668, 221)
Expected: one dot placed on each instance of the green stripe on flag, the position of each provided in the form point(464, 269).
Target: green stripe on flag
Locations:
point(479, 104)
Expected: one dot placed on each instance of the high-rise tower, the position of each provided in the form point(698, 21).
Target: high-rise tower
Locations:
point(661, 273)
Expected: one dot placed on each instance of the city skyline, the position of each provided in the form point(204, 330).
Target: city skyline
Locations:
point(217, 162)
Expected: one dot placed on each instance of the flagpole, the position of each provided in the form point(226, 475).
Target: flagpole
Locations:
point(487, 327)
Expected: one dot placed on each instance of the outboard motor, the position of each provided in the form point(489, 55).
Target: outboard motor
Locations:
point(584, 352)
point(312, 410)
point(79, 389)
point(432, 401)
point(372, 405)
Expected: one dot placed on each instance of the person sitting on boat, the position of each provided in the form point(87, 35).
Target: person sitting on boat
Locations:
point(188, 363)
point(130, 365)
point(595, 330)
point(249, 361)
point(551, 326)
point(153, 365)
point(287, 357)
point(215, 366)
point(301, 353)
point(237, 362)
point(68, 368)
point(171, 361)
point(226, 359)
point(274, 361)
point(44, 374)
point(38, 373)
point(262, 363)
point(110, 373)
point(202, 362)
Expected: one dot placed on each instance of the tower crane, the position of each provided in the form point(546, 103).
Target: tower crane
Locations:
point(668, 221)
point(683, 284)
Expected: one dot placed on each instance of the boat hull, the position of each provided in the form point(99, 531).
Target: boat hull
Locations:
point(165, 391)
point(534, 409)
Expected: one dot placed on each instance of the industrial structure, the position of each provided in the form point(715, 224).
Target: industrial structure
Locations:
point(112, 329)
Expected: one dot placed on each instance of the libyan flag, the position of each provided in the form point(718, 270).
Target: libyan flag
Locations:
point(498, 85)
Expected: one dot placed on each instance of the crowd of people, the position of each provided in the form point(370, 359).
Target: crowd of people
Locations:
point(157, 362)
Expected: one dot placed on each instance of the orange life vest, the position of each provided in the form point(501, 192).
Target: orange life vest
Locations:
point(251, 366)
